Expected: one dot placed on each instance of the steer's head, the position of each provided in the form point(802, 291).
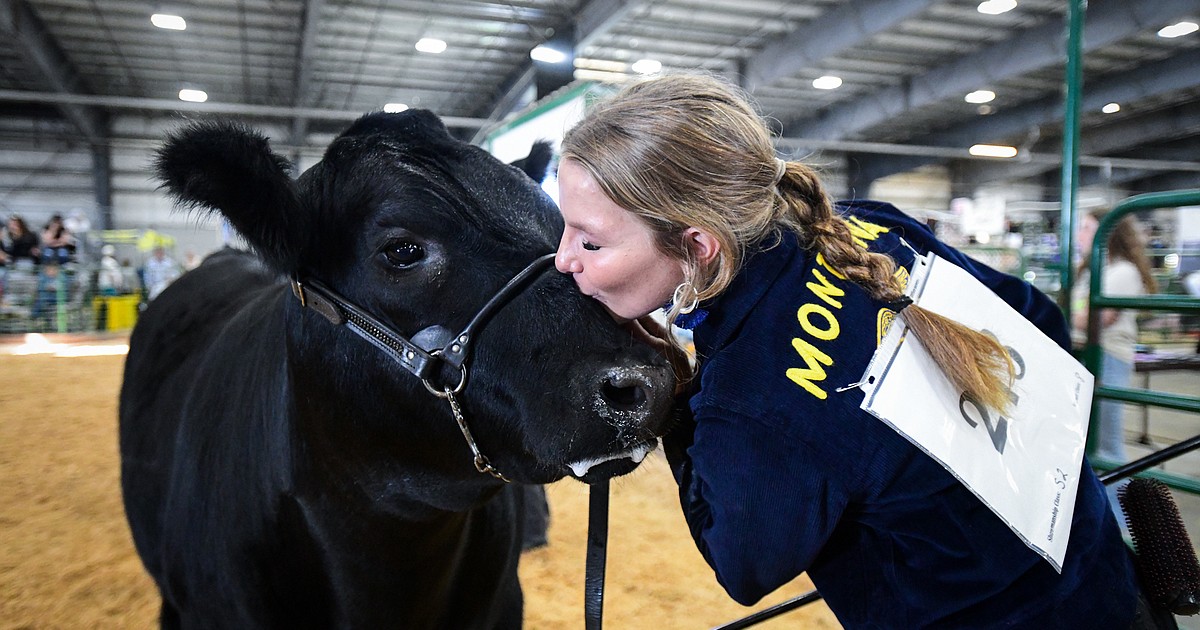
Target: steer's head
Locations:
point(420, 230)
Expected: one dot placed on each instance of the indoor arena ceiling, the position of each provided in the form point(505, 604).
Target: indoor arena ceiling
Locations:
point(906, 68)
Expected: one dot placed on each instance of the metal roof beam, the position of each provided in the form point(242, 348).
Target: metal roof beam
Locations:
point(1184, 149)
point(311, 18)
point(596, 17)
point(1187, 150)
point(512, 92)
point(592, 20)
point(796, 146)
point(1161, 126)
point(867, 168)
point(1039, 47)
point(1146, 82)
point(830, 34)
point(208, 107)
point(1142, 83)
point(1166, 181)
point(35, 44)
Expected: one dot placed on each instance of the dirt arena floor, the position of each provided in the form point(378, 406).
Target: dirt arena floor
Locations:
point(66, 559)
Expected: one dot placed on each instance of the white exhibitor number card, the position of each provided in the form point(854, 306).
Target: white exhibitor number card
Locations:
point(1024, 463)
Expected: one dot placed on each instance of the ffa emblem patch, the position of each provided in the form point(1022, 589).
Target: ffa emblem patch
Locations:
point(886, 315)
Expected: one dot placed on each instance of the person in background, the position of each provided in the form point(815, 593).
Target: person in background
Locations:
point(672, 193)
point(1125, 273)
point(18, 242)
point(50, 292)
point(160, 270)
point(58, 244)
point(110, 280)
point(191, 260)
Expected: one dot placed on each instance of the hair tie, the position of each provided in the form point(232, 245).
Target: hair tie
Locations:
point(780, 170)
point(899, 303)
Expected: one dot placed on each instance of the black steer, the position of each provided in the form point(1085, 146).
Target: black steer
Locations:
point(280, 470)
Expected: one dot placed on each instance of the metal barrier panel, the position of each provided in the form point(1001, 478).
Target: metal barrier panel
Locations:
point(1093, 354)
point(50, 298)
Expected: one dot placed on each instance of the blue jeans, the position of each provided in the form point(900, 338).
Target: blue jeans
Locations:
point(1110, 443)
point(1110, 425)
point(58, 255)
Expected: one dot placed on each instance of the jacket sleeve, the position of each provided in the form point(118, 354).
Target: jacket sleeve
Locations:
point(759, 507)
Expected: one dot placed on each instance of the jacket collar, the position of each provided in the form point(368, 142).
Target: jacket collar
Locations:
point(727, 312)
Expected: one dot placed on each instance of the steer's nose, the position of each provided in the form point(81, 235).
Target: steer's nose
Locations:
point(637, 398)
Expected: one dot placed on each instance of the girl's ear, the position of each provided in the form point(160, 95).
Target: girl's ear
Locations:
point(704, 246)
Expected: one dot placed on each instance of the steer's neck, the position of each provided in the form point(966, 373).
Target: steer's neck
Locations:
point(383, 444)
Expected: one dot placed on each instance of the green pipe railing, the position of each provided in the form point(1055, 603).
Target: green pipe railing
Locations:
point(1093, 354)
point(1073, 80)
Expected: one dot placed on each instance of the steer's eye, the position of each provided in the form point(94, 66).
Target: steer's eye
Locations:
point(403, 253)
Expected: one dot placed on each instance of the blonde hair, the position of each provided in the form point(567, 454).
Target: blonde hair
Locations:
point(689, 150)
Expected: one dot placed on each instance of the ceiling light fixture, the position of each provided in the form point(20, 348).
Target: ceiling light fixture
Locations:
point(980, 96)
point(827, 82)
point(394, 108)
point(1179, 29)
point(193, 96)
point(430, 45)
point(996, 7)
point(603, 76)
point(600, 64)
point(168, 21)
point(992, 150)
point(647, 66)
point(1111, 108)
point(546, 54)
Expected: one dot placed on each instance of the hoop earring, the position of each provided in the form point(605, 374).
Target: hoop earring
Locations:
point(677, 297)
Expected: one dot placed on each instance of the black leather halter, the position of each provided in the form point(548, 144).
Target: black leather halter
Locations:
point(423, 363)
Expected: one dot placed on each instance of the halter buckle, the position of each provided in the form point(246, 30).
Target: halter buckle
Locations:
point(298, 291)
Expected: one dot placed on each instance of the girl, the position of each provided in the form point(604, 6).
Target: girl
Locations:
point(671, 193)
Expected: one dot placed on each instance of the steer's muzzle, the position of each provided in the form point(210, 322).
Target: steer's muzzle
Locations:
point(636, 400)
point(636, 403)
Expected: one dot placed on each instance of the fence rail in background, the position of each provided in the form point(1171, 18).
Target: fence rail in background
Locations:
point(1097, 301)
point(62, 298)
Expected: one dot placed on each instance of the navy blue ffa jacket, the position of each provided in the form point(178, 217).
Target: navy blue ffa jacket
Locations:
point(781, 474)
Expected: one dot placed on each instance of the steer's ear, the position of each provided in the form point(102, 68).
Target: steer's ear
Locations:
point(537, 162)
point(229, 168)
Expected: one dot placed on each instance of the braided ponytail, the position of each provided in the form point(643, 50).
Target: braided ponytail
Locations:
point(975, 363)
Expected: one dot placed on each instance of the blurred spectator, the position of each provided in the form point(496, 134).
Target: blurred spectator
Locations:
point(160, 270)
point(191, 260)
point(1124, 273)
point(78, 222)
point(1191, 284)
point(18, 242)
point(58, 244)
point(132, 276)
point(110, 280)
point(49, 285)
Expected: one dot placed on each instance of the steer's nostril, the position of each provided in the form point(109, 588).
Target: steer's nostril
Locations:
point(624, 397)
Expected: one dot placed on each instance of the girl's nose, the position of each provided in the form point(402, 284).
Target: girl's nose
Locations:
point(565, 261)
